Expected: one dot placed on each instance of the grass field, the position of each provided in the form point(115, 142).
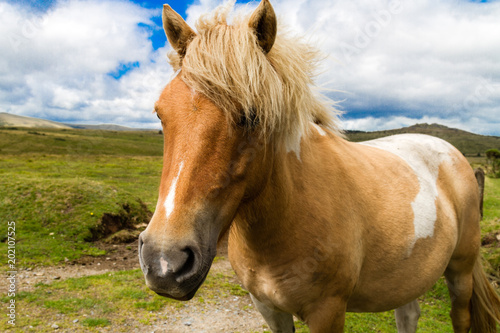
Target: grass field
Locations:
point(58, 183)
point(55, 184)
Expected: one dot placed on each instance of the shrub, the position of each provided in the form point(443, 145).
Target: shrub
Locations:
point(493, 156)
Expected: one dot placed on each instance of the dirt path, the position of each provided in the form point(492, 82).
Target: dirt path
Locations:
point(118, 257)
point(224, 314)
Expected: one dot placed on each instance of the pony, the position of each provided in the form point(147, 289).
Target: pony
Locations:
point(318, 226)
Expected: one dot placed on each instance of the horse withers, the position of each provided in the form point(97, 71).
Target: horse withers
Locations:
point(318, 226)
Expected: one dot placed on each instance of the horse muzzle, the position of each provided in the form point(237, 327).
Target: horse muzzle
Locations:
point(176, 270)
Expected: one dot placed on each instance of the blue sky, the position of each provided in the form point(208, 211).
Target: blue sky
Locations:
point(158, 38)
point(390, 63)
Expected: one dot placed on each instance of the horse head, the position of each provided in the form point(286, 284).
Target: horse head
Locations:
point(212, 162)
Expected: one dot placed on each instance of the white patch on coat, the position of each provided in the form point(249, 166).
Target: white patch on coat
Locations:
point(164, 266)
point(424, 154)
point(170, 200)
point(293, 144)
point(319, 129)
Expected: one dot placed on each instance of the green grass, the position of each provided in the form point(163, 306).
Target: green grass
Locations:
point(57, 184)
point(96, 322)
point(122, 297)
point(492, 200)
point(228, 287)
point(491, 223)
point(56, 191)
point(131, 299)
point(106, 299)
point(54, 201)
point(80, 142)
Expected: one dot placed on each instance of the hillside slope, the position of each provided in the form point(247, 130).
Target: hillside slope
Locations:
point(12, 120)
point(469, 144)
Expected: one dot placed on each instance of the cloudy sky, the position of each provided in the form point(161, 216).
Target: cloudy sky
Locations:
point(392, 63)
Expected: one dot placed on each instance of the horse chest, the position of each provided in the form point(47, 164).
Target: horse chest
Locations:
point(289, 285)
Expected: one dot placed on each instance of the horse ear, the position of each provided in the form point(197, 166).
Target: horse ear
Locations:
point(263, 21)
point(178, 32)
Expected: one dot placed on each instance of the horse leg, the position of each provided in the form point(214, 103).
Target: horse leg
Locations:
point(279, 322)
point(460, 285)
point(327, 316)
point(407, 317)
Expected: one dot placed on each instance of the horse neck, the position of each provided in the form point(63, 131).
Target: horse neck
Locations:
point(260, 220)
point(272, 199)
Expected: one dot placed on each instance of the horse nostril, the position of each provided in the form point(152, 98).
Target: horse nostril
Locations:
point(177, 263)
point(188, 267)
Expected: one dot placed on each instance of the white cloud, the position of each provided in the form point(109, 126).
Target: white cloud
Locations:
point(56, 65)
point(392, 122)
point(200, 8)
point(398, 62)
point(435, 60)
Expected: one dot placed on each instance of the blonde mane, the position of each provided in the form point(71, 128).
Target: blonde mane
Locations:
point(275, 90)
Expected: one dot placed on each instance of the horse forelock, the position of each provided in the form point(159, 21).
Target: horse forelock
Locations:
point(225, 63)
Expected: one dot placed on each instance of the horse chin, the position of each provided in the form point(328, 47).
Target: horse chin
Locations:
point(186, 297)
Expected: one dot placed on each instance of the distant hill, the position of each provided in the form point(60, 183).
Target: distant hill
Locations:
point(106, 127)
point(12, 120)
point(469, 144)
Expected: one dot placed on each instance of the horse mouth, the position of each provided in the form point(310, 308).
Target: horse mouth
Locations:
point(189, 295)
